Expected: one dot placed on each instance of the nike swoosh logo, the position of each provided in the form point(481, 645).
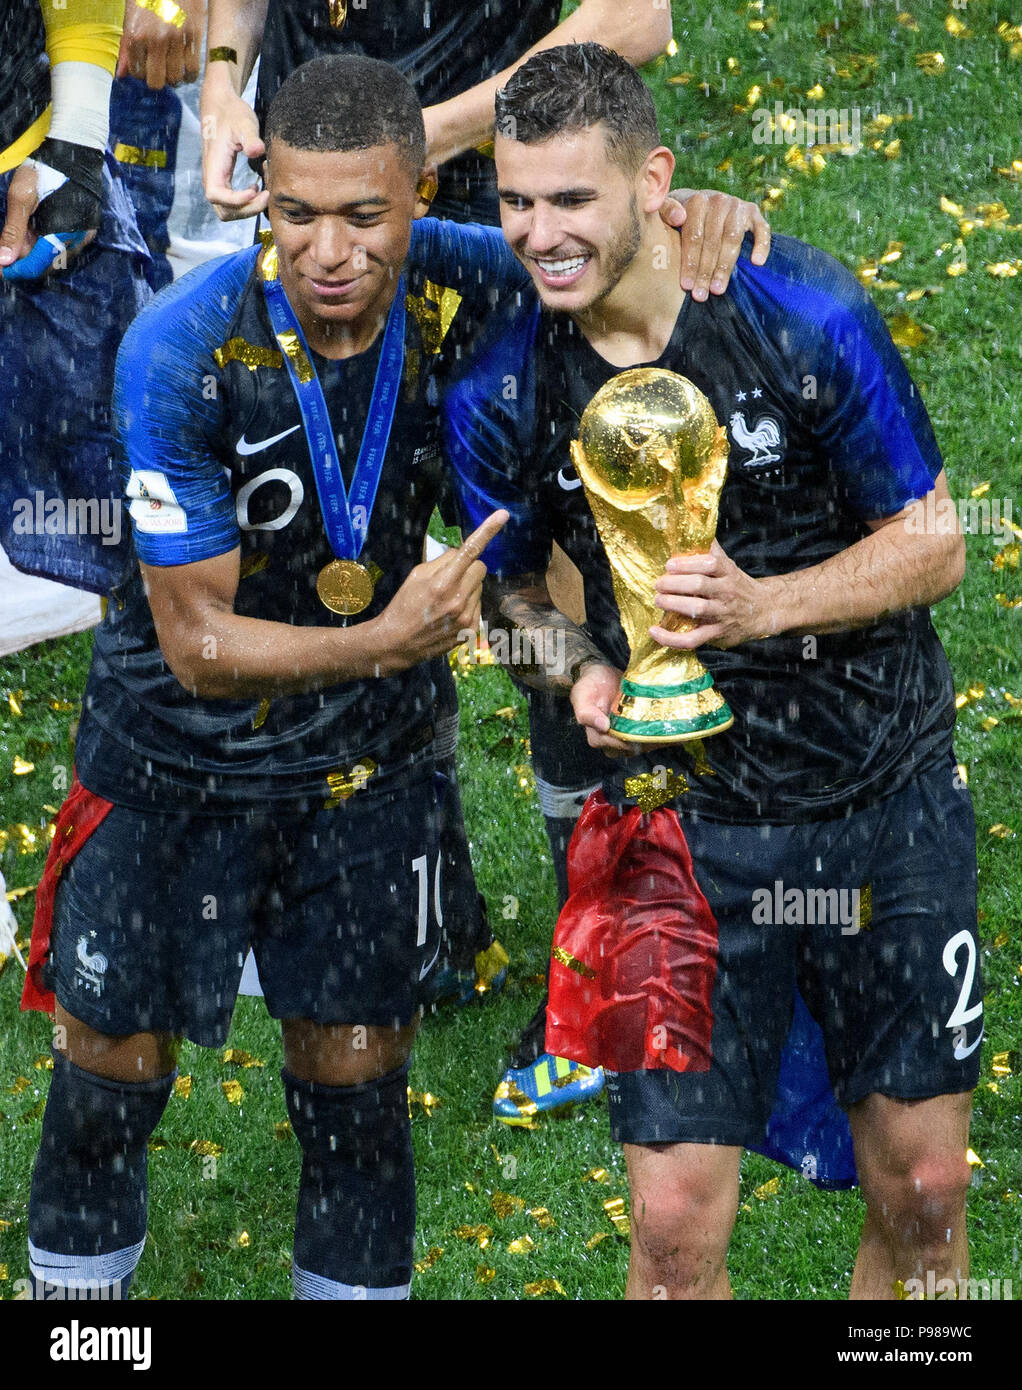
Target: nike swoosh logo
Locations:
point(568, 484)
point(244, 447)
point(962, 1052)
point(427, 968)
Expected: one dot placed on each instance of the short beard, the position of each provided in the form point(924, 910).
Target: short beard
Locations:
point(618, 256)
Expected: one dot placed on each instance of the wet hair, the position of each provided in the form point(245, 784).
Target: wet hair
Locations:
point(346, 102)
point(560, 91)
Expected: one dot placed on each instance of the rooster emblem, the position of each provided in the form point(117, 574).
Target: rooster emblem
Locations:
point(94, 964)
point(761, 440)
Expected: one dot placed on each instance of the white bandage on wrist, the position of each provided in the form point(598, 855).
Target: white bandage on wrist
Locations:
point(81, 104)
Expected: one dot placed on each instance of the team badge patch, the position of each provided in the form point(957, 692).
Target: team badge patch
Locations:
point(154, 509)
point(761, 441)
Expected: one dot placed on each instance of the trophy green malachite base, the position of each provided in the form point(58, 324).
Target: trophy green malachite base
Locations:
point(670, 713)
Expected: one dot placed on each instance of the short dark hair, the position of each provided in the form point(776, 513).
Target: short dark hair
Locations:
point(346, 102)
point(575, 86)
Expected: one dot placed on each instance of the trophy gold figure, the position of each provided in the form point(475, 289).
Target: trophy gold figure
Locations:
point(652, 459)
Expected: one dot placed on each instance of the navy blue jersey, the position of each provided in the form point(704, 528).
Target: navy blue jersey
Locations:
point(826, 432)
point(443, 47)
point(215, 457)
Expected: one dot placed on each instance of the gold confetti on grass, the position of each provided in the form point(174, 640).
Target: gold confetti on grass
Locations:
point(542, 1217)
point(206, 1148)
point(1004, 1064)
point(233, 1091)
point(905, 332)
point(282, 1130)
point(596, 1175)
point(239, 1058)
point(244, 1240)
point(1001, 832)
point(932, 64)
point(433, 1254)
point(183, 1087)
point(21, 767)
point(973, 1159)
point(505, 1205)
point(426, 1101)
point(482, 1235)
point(524, 1245)
point(767, 1189)
point(485, 1274)
point(544, 1286)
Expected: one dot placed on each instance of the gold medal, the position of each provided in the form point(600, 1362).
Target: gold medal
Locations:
point(345, 587)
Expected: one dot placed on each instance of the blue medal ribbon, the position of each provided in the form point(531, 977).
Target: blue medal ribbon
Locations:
point(346, 516)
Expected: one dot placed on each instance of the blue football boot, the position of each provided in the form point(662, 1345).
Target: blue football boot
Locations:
point(544, 1085)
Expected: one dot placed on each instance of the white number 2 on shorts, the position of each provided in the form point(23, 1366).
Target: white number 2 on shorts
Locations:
point(420, 866)
point(961, 1016)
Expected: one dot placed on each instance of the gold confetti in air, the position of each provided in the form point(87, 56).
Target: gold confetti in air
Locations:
point(544, 1286)
point(1004, 1064)
point(233, 1091)
point(432, 1255)
point(767, 1189)
point(505, 1205)
point(206, 1148)
point(524, 1245)
point(973, 1159)
point(240, 1058)
point(183, 1087)
point(485, 1274)
point(22, 767)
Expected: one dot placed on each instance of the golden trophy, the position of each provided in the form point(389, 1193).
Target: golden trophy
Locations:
point(652, 459)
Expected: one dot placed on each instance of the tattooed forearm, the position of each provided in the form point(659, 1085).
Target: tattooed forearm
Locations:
point(532, 638)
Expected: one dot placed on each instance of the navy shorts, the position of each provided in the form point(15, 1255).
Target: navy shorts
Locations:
point(155, 914)
point(874, 915)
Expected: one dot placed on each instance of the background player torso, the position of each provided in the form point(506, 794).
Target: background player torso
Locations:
point(442, 46)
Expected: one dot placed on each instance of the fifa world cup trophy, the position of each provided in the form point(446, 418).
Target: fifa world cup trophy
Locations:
point(652, 459)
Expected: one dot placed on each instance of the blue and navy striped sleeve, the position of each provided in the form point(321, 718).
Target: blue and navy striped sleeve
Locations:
point(166, 412)
point(870, 419)
point(465, 256)
point(489, 436)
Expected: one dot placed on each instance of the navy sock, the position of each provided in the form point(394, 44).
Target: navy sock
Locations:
point(87, 1208)
point(355, 1226)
